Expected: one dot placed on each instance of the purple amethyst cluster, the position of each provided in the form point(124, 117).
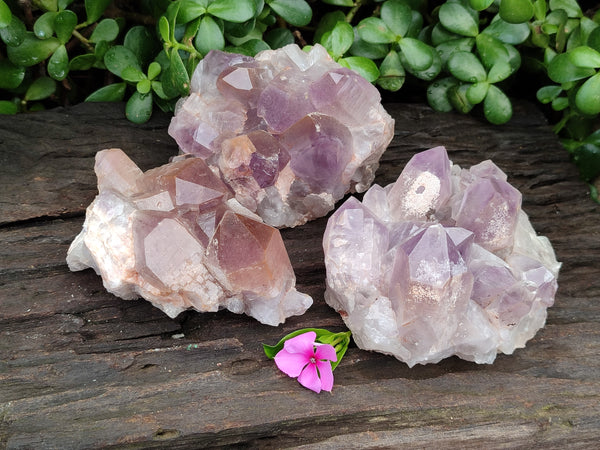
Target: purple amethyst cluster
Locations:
point(289, 131)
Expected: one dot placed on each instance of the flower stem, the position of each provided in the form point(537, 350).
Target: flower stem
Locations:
point(353, 11)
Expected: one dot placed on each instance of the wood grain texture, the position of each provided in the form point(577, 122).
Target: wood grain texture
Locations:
point(80, 368)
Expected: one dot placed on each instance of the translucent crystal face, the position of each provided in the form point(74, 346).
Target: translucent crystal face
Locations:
point(175, 236)
point(440, 263)
point(291, 132)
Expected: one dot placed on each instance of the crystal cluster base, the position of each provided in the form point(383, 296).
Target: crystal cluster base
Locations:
point(442, 262)
point(176, 236)
point(290, 132)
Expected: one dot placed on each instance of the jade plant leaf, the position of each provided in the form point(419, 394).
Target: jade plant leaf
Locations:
point(497, 107)
point(457, 18)
point(95, 8)
point(397, 15)
point(209, 36)
point(119, 57)
point(43, 28)
point(139, 107)
point(587, 98)
point(40, 89)
point(64, 24)
point(516, 11)
point(112, 93)
point(58, 64)
point(32, 50)
point(232, 10)
point(375, 31)
point(11, 76)
point(295, 12)
point(466, 67)
point(107, 30)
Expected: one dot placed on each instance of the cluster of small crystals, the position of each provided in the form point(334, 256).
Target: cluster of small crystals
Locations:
point(176, 236)
point(290, 132)
point(442, 262)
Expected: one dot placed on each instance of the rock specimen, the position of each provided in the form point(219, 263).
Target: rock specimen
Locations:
point(176, 236)
point(442, 262)
point(290, 132)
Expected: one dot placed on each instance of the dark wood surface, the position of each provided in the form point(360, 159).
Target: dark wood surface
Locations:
point(80, 368)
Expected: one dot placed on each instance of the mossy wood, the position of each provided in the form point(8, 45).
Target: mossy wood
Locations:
point(80, 368)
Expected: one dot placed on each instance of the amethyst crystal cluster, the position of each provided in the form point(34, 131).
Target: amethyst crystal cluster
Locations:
point(176, 236)
point(290, 132)
point(442, 262)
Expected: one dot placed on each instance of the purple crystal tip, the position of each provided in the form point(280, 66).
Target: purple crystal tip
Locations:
point(442, 262)
point(290, 131)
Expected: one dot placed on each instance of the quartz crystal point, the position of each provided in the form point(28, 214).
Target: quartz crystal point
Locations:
point(290, 132)
point(176, 236)
point(442, 262)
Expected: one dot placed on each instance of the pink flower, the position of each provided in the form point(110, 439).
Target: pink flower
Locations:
point(308, 360)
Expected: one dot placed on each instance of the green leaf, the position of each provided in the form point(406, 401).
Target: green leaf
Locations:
point(571, 7)
point(132, 74)
point(585, 57)
point(232, 10)
point(249, 48)
point(499, 71)
point(294, 12)
point(509, 33)
point(339, 2)
point(466, 67)
point(119, 57)
point(58, 64)
point(397, 16)
point(546, 94)
point(43, 28)
point(457, 95)
point(562, 70)
point(144, 86)
point(163, 28)
point(363, 66)
point(360, 47)
point(419, 55)
point(391, 72)
point(159, 91)
point(279, 37)
point(458, 19)
point(176, 80)
point(32, 50)
point(339, 341)
point(139, 107)
point(63, 4)
point(496, 106)
point(327, 22)
point(48, 5)
point(428, 74)
point(8, 107)
point(439, 35)
point(95, 8)
point(338, 40)
point(587, 98)
point(437, 94)
point(40, 89)
point(142, 42)
point(242, 29)
point(107, 30)
point(587, 159)
point(491, 50)
point(13, 34)
point(593, 40)
point(375, 31)
point(64, 24)
point(188, 10)
point(448, 48)
point(11, 76)
point(83, 62)
point(480, 5)
point(153, 70)
point(560, 103)
point(209, 36)
point(5, 15)
point(516, 11)
point(477, 92)
point(111, 93)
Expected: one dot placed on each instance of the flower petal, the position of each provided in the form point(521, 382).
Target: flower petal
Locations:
point(325, 351)
point(326, 375)
point(290, 363)
point(303, 343)
point(310, 379)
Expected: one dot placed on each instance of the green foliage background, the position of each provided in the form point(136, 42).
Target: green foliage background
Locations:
point(464, 55)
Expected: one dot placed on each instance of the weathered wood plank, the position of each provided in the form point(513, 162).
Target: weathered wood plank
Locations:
point(81, 368)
